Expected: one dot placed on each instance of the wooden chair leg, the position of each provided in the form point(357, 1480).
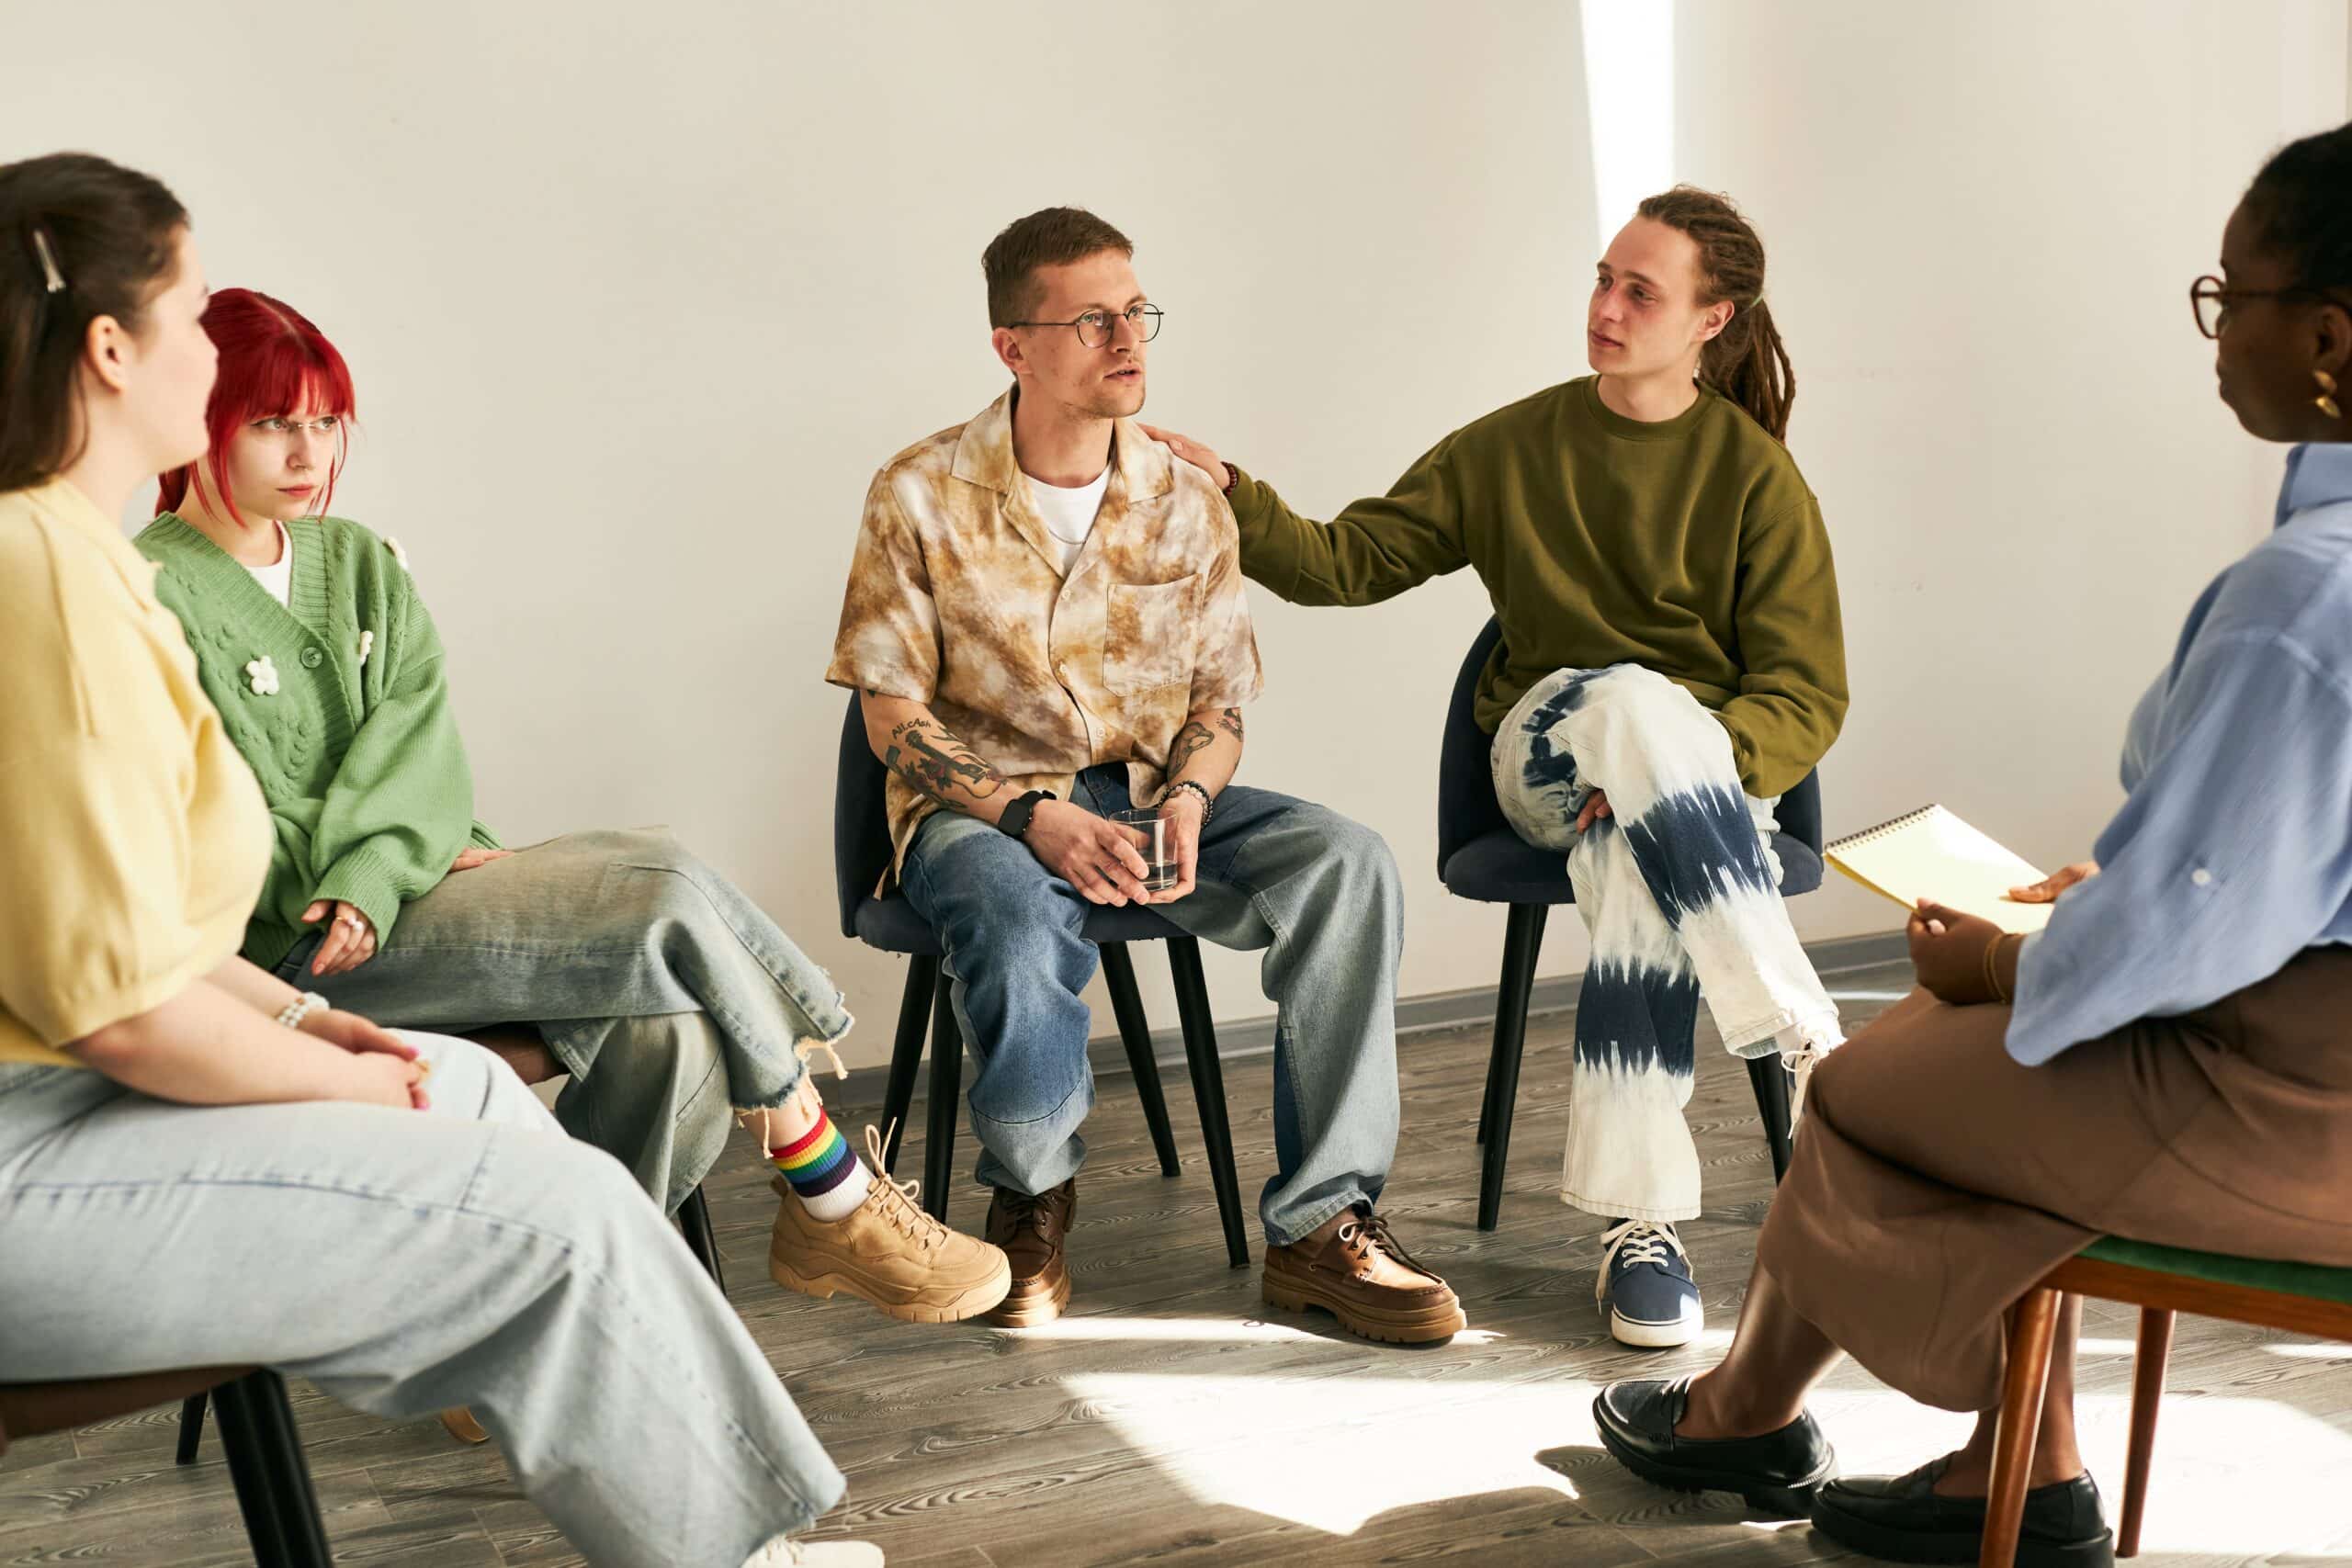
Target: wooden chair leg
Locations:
point(2147, 1393)
point(693, 1219)
point(2032, 1331)
point(1771, 1082)
point(1523, 939)
point(1135, 1033)
point(946, 1086)
point(906, 1055)
point(191, 1426)
point(1193, 1013)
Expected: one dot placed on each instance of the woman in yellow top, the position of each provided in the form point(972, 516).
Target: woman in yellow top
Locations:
point(171, 1114)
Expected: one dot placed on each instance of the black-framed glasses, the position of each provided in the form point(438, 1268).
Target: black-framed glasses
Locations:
point(1095, 327)
point(2210, 300)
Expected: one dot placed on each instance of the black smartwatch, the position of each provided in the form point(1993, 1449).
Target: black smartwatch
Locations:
point(1014, 823)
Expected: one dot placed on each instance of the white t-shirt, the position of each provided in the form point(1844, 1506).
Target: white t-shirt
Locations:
point(278, 579)
point(1069, 513)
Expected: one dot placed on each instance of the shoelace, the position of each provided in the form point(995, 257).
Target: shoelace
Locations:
point(1029, 1209)
point(1639, 1241)
point(898, 1197)
point(1369, 1233)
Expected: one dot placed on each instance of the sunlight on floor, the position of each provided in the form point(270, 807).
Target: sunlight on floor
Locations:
point(1193, 1330)
point(1379, 1444)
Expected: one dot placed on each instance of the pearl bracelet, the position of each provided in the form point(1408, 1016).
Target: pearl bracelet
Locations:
point(292, 1014)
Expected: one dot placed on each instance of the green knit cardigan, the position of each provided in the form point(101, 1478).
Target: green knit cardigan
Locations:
point(338, 703)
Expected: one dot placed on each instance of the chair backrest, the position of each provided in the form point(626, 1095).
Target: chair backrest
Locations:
point(1466, 807)
point(860, 824)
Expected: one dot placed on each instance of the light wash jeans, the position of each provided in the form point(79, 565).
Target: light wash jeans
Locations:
point(1318, 893)
point(669, 997)
point(407, 1262)
point(1681, 892)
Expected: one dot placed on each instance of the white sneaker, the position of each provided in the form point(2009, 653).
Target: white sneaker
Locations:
point(785, 1553)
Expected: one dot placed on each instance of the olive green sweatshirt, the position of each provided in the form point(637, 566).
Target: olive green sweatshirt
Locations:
point(1691, 546)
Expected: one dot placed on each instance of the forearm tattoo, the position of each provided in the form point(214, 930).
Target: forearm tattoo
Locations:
point(932, 762)
point(1189, 742)
point(1230, 722)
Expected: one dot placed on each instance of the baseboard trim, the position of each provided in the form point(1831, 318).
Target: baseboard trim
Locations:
point(1423, 1014)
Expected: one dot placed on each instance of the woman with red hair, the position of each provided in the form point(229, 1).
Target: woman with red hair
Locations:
point(665, 993)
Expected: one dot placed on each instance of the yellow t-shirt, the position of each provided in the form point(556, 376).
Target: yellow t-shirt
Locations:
point(133, 840)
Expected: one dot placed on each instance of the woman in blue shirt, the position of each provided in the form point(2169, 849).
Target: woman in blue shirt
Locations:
point(2170, 1060)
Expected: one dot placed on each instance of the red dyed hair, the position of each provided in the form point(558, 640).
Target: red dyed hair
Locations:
point(273, 362)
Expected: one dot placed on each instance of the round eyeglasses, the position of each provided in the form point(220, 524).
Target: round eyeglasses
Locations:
point(1095, 328)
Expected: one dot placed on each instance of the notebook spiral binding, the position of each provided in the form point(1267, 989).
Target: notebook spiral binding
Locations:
point(1881, 831)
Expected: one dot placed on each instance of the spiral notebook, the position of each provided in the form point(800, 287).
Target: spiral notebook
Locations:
point(1931, 854)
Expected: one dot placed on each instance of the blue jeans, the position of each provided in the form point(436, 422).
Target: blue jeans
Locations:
point(668, 996)
point(405, 1262)
point(1317, 892)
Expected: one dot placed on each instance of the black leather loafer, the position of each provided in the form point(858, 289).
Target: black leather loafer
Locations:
point(1778, 1473)
point(1901, 1519)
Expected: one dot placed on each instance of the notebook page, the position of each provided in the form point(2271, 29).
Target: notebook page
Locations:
point(1934, 855)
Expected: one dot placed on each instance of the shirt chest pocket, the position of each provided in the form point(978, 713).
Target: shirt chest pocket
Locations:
point(1147, 635)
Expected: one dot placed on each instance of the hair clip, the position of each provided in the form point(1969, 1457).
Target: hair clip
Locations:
point(55, 278)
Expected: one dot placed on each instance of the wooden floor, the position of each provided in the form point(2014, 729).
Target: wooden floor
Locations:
point(1171, 1420)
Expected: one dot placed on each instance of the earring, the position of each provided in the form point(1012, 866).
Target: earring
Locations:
point(2326, 402)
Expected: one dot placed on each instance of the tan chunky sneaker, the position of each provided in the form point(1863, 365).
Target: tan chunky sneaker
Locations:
point(1352, 1268)
point(886, 1251)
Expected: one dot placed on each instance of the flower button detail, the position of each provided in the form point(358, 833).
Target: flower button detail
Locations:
point(264, 675)
point(366, 645)
point(398, 554)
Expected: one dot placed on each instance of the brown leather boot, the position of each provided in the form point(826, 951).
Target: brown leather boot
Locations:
point(1030, 1229)
point(1352, 1268)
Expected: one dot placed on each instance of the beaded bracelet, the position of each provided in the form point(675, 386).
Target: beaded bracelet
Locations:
point(1208, 801)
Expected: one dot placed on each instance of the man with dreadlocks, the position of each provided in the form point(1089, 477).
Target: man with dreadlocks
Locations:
point(1672, 663)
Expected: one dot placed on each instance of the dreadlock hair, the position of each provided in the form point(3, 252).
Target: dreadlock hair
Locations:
point(1745, 361)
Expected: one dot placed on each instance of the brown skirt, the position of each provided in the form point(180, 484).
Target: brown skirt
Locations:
point(1935, 1180)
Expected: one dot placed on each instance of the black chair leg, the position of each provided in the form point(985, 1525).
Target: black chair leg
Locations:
point(272, 1480)
point(191, 1426)
point(1208, 1088)
point(693, 1219)
point(946, 1075)
point(1523, 940)
point(906, 1056)
point(1770, 1081)
point(1135, 1033)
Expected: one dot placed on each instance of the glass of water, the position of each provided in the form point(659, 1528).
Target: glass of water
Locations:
point(1149, 830)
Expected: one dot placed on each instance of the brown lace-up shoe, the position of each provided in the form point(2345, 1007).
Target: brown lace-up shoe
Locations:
point(886, 1251)
point(1352, 1268)
point(1030, 1229)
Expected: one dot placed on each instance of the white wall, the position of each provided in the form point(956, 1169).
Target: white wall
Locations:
point(639, 297)
point(1984, 221)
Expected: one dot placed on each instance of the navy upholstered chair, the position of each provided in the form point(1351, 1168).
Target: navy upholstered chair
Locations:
point(1478, 856)
point(861, 855)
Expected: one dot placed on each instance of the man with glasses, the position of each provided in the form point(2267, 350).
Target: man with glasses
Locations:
point(1046, 627)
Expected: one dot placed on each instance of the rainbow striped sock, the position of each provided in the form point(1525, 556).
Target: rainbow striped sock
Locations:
point(825, 1172)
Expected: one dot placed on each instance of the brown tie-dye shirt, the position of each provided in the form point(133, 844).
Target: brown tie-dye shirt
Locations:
point(956, 598)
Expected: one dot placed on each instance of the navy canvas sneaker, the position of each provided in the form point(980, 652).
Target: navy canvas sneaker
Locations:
point(1646, 1292)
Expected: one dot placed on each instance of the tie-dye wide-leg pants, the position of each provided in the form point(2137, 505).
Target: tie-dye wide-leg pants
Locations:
point(1680, 890)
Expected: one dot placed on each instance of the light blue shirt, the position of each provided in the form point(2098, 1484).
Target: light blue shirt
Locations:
point(2234, 850)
